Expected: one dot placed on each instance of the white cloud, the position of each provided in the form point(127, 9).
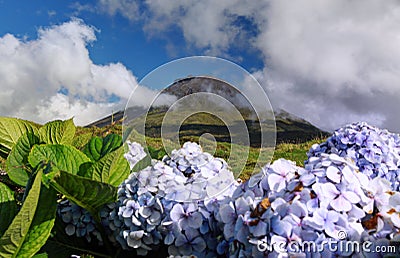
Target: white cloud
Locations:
point(127, 8)
point(53, 77)
point(210, 25)
point(61, 106)
point(332, 62)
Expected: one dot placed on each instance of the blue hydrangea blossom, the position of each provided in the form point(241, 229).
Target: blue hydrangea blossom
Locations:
point(173, 202)
point(348, 190)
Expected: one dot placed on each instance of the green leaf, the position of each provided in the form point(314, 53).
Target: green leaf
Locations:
point(87, 193)
point(113, 168)
point(42, 223)
point(93, 148)
point(14, 237)
point(65, 157)
point(110, 143)
point(8, 207)
point(58, 132)
point(17, 160)
point(98, 147)
point(11, 129)
point(85, 170)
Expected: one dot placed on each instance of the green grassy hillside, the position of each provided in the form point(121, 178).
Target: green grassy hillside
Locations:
point(296, 152)
point(293, 151)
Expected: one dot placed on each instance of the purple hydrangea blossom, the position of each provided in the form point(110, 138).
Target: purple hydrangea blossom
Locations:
point(349, 184)
point(282, 173)
point(135, 153)
point(188, 243)
point(173, 202)
point(186, 216)
point(374, 151)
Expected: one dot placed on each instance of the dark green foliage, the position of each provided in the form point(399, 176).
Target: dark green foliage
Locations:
point(99, 147)
point(46, 163)
point(84, 165)
point(17, 161)
point(8, 207)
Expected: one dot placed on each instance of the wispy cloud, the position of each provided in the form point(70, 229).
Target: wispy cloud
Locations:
point(51, 13)
point(126, 8)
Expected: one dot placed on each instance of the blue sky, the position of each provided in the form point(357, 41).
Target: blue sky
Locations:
point(117, 38)
point(331, 62)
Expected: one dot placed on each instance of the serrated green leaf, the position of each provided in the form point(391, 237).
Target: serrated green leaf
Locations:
point(87, 193)
point(42, 223)
point(85, 170)
point(98, 147)
point(58, 132)
point(12, 240)
point(17, 160)
point(113, 168)
point(42, 255)
point(65, 157)
point(8, 207)
point(110, 143)
point(11, 129)
point(93, 148)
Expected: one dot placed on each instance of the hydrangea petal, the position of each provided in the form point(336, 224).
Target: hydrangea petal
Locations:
point(351, 196)
point(276, 182)
point(341, 204)
point(334, 174)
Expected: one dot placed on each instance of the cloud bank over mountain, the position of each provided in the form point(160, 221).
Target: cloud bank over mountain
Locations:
point(332, 62)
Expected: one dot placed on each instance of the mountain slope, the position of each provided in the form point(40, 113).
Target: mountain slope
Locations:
point(289, 128)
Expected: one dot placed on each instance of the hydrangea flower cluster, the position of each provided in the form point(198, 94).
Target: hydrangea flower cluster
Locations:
point(135, 153)
point(190, 202)
point(376, 152)
point(78, 221)
point(173, 202)
point(331, 199)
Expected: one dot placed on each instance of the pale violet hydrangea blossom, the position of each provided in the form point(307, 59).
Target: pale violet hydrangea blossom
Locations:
point(138, 213)
point(191, 203)
point(135, 153)
point(194, 209)
point(349, 184)
point(376, 152)
point(173, 202)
